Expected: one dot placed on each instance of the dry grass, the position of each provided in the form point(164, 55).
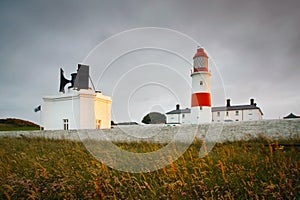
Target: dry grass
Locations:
point(52, 169)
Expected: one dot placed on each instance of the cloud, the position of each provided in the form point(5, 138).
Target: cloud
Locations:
point(255, 45)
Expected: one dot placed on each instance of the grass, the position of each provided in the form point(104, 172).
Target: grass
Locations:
point(18, 128)
point(59, 169)
point(13, 124)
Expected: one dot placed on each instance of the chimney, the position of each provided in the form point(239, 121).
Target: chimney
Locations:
point(251, 101)
point(228, 103)
point(177, 107)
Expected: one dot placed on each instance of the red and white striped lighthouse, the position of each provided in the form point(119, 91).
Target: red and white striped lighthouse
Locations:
point(201, 95)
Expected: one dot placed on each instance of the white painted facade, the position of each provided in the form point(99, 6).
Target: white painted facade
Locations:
point(83, 109)
point(237, 115)
point(180, 118)
point(173, 118)
point(102, 111)
point(201, 115)
point(226, 113)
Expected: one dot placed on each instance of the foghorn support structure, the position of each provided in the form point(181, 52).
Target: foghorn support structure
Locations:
point(79, 107)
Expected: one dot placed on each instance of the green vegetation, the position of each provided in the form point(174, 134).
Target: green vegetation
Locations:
point(60, 169)
point(12, 124)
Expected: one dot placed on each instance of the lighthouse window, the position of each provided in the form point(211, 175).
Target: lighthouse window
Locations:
point(66, 124)
point(200, 107)
point(201, 82)
point(218, 113)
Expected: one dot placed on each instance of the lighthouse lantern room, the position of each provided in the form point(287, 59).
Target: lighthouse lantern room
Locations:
point(201, 95)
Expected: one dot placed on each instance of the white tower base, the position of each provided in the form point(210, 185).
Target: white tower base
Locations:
point(201, 115)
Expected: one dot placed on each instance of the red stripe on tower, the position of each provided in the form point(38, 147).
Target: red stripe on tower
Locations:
point(201, 99)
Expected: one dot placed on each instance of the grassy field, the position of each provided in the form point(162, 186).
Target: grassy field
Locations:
point(20, 128)
point(52, 169)
point(12, 124)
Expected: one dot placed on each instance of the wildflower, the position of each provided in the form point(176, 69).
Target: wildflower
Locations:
point(44, 190)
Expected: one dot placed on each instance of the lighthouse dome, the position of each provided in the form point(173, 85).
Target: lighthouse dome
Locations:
point(200, 53)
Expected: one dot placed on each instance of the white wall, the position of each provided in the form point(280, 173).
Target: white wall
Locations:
point(103, 110)
point(59, 107)
point(182, 118)
point(199, 116)
point(186, 118)
point(250, 115)
point(200, 76)
point(81, 108)
point(174, 119)
point(218, 118)
point(243, 115)
point(87, 109)
point(275, 129)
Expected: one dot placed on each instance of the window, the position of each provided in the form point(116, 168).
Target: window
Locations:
point(98, 123)
point(227, 113)
point(66, 124)
point(237, 112)
point(182, 116)
point(218, 113)
point(237, 120)
point(200, 107)
point(201, 82)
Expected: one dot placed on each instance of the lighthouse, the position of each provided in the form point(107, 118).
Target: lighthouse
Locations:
point(201, 95)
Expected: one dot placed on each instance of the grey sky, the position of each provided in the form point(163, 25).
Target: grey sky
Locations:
point(254, 43)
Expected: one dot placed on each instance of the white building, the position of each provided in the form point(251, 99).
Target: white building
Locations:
point(201, 110)
point(79, 108)
point(178, 116)
point(226, 113)
point(236, 112)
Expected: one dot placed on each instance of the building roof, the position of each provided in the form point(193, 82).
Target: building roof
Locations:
point(200, 52)
point(239, 107)
point(179, 111)
point(291, 116)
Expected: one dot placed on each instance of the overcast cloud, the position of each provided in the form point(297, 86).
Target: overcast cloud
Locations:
point(254, 43)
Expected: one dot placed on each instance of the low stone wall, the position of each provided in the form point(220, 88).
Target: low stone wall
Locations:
point(273, 129)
